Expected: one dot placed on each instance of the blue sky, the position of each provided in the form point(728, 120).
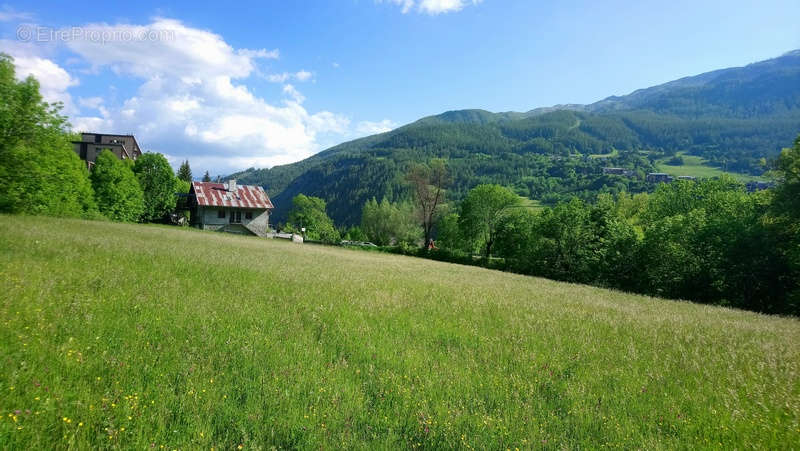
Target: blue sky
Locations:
point(264, 83)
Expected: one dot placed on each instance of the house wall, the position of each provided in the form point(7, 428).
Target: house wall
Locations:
point(93, 150)
point(206, 218)
point(260, 223)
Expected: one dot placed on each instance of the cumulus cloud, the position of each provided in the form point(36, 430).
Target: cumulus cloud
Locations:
point(191, 98)
point(193, 101)
point(371, 128)
point(54, 80)
point(432, 7)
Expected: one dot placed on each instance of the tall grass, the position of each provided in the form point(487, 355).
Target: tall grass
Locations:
point(130, 336)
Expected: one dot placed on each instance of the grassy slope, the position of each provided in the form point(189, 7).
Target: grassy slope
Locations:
point(120, 335)
point(697, 167)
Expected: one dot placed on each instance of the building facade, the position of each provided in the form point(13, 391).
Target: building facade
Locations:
point(229, 207)
point(89, 147)
point(659, 177)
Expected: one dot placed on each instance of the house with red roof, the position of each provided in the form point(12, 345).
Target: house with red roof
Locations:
point(230, 207)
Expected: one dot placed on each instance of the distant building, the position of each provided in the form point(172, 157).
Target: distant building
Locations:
point(659, 177)
point(686, 177)
point(618, 171)
point(758, 186)
point(89, 147)
point(228, 207)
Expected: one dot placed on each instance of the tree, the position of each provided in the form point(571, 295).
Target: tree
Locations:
point(206, 177)
point(185, 172)
point(428, 184)
point(39, 171)
point(309, 212)
point(377, 221)
point(158, 184)
point(386, 222)
point(482, 210)
point(355, 234)
point(787, 194)
point(448, 234)
point(784, 217)
point(117, 192)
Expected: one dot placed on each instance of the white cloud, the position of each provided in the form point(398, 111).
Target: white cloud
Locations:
point(432, 7)
point(90, 102)
point(293, 93)
point(165, 48)
point(53, 79)
point(302, 75)
point(371, 128)
point(193, 102)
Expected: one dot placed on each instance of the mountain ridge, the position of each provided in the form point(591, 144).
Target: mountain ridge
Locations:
point(732, 118)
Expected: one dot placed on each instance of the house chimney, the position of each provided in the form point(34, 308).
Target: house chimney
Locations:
point(232, 185)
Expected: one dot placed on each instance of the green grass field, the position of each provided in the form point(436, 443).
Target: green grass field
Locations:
point(613, 153)
point(698, 167)
point(131, 336)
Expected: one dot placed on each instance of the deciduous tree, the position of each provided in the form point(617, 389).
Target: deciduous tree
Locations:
point(117, 192)
point(158, 184)
point(482, 211)
point(39, 171)
point(309, 212)
point(428, 184)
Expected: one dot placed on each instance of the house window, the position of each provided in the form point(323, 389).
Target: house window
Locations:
point(248, 215)
point(221, 213)
point(97, 139)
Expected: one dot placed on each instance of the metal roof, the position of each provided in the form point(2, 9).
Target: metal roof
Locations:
point(217, 195)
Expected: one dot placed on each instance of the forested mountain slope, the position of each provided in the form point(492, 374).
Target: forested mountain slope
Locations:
point(734, 118)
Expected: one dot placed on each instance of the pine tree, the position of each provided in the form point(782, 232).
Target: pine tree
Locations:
point(185, 172)
point(207, 177)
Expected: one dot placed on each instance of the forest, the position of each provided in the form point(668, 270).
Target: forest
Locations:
point(709, 241)
point(735, 119)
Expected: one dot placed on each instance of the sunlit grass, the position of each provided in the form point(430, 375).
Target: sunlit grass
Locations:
point(695, 166)
point(612, 154)
point(133, 336)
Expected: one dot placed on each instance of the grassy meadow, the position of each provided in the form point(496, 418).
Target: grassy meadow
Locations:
point(151, 337)
point(698, 167)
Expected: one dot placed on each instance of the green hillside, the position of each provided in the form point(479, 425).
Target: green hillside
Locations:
point(132, 336)
point(730, 118)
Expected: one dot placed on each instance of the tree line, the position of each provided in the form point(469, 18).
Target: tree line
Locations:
point(41, 174)
point(708, 241)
